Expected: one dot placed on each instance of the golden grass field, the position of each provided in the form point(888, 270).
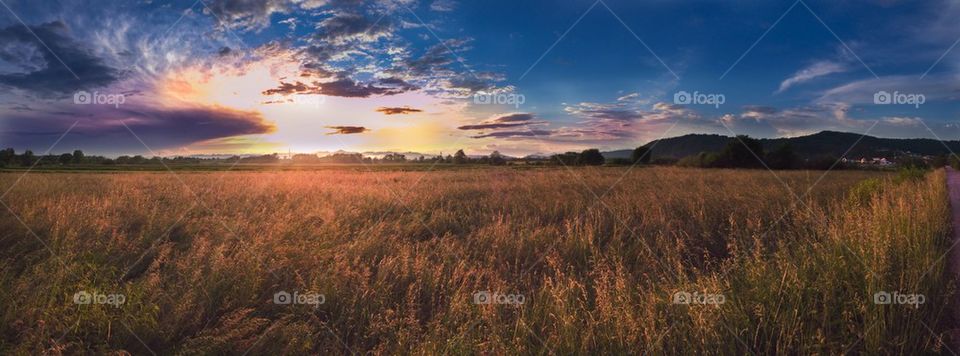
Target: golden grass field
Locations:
point(398, 257)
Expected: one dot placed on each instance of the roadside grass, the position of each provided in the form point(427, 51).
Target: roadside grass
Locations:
point(400, 257)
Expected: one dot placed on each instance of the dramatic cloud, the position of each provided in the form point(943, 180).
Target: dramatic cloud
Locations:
point(504, 121)
point(347, 130)
point(41, 69)
point(398, 111)
point(344, 87)
point(247, 14)
point(814, 71)
point(345, 27)
point(103, 126)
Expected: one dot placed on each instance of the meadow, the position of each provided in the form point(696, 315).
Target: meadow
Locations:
point(477, 261)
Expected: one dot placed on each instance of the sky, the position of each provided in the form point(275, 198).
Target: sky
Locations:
point(190, 77)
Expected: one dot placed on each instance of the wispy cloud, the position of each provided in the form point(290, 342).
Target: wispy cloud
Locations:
point(816, 70)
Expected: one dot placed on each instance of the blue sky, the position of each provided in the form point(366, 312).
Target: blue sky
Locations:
point(259, 76)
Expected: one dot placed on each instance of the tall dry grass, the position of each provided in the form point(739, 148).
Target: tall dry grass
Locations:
point(399, 256)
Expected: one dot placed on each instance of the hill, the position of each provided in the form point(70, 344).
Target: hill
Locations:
point(825, 143)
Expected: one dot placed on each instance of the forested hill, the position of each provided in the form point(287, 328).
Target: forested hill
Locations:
point(825, 143)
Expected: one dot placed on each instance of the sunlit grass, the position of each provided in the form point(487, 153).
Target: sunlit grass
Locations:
point(398, 257)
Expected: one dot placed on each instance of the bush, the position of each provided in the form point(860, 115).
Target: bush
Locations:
point(591, 157)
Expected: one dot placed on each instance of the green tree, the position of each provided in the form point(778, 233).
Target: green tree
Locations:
point(7, 156)
point(27, 159)
point(497, 159)
point(460, 157)
point(65, 158)
point(782, 157)
point(742, 152)
point(77, 156)
point(590, 157)
point(641, 155)
point(565, 159)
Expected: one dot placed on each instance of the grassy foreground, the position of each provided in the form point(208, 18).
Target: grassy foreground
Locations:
point(402, 258)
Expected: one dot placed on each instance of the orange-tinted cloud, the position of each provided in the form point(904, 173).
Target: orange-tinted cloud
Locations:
point(347, 130)
point(398, 110)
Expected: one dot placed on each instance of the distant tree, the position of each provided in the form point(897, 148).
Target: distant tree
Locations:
point(782, 157)
point(497, 159)
point(27, 159)
point(701, 160)
point(394, 158)
point(823, 162)
point(65, 158)
point(565, 159)
point(590, 157)
point(742, 152)
point(77, 156)
point(7, 156)
point(460, 157)
point(912, 162)
point(641, 155)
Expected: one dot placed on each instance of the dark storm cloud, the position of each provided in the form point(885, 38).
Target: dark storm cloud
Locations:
point(51, 77)
point(347, 130)
point(398, 110)
point(160, 128)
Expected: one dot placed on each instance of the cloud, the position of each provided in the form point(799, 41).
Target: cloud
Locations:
point(443, 5)
point(246, 14)
point(814, 71)
point(515, 134)
point(504, 121)
point(862, 91)
point(398, 110)
point(100, 127)
point(343, 27)
point(346, 130)
point(344, 87)
point(41, 70)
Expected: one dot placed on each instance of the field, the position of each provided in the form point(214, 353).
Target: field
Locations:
point(581, 261)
